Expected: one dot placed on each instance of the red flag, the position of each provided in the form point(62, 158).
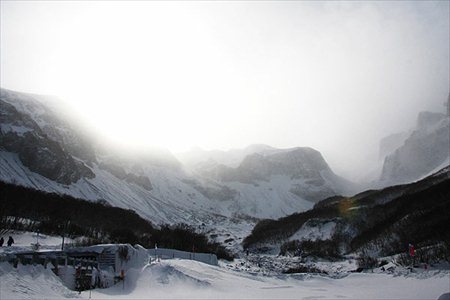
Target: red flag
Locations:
point(412, 252)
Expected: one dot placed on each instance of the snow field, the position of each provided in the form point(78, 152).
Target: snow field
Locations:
point(185, 279)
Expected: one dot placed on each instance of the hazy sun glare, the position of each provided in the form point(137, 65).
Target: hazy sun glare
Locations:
point(142, 74)
point(227, 74)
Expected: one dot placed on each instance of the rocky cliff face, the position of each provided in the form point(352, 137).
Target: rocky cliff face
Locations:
point(120, 173)
point(53, 119)
point(302, 172)
point(389, 144)
point(22, 135)
point(49, 142)
point(296, 163)
point(425, 150)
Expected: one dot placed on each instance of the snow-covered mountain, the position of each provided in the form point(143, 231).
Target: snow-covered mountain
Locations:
point(41, 146)
point(301, 172)
point(416, 154)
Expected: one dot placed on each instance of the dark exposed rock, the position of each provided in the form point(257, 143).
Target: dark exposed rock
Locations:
point(55, 122)
point(120, 173)
point(140, 180)
point(115, 170)
point(296, 163)
point(21, 135)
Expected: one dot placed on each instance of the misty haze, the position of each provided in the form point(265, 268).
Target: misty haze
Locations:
point(232, 149)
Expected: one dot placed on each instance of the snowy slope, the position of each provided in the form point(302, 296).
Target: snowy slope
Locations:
point(170, 201)
point(42, 147)
point(167, 198)
point(267, 199)
point(314, 230)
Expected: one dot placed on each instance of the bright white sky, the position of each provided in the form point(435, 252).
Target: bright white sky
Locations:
point(336, 76)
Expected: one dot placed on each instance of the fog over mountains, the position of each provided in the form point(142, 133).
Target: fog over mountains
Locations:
point(43, 147)
point(418, 153)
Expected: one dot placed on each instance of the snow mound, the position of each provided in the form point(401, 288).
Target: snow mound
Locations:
point(31, 282)
point(166, 274)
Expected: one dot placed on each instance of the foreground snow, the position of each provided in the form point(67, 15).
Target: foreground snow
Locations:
point(31, 282)
point(189, 279)
point(253, 277)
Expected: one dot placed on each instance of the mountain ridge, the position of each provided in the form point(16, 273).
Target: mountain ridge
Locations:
point(155, 184)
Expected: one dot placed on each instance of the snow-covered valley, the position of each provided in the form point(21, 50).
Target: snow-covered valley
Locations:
point(43, 147)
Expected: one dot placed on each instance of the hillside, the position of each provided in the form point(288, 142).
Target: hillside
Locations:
point(27, 209)
point(42, 146)
point(383, 221)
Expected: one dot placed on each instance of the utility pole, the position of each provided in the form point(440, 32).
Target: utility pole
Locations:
point(448, 105)
point(62, 245)
point(64, 234)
